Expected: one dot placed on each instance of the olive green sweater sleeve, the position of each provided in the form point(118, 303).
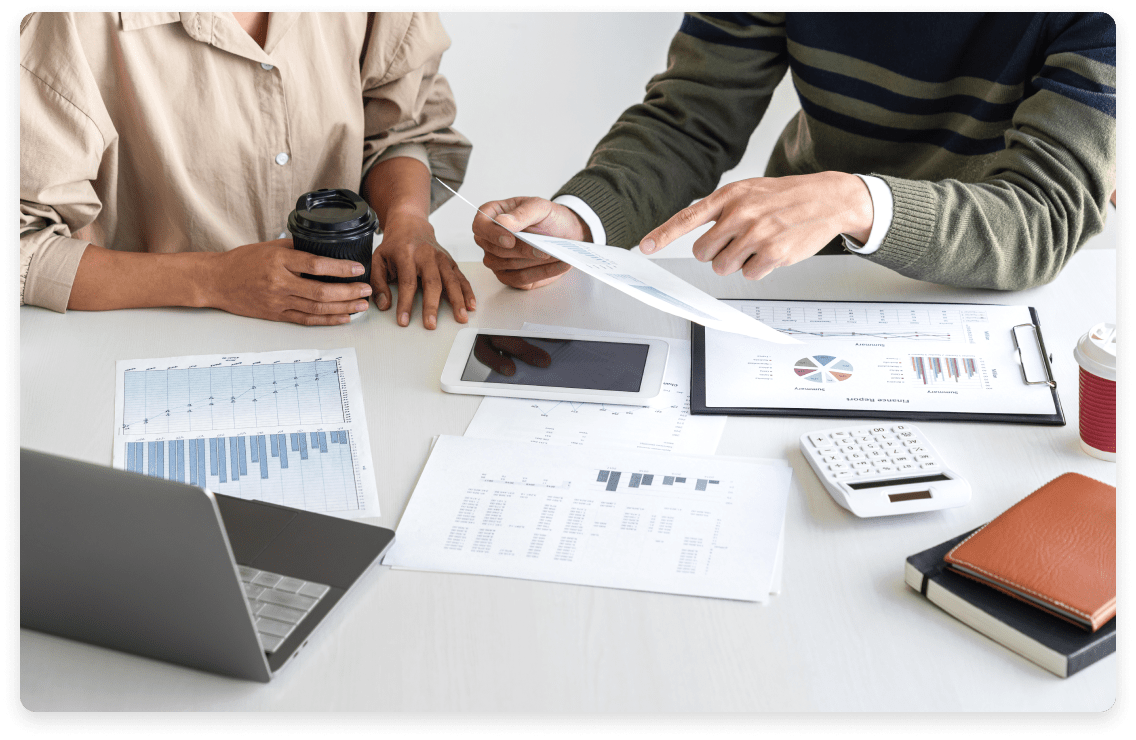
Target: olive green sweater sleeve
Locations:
point(1034, 204)
point(692, 126)
point(997, 179)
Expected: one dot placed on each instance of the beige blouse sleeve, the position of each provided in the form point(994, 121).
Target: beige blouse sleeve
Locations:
point(408, 107)
point(60, 151)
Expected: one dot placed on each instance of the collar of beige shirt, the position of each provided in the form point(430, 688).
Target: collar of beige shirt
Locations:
point(218, 29)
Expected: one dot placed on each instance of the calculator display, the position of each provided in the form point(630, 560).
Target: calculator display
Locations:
point(896, 482)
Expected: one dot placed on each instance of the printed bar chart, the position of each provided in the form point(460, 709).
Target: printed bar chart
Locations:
point(207, 399)
point(641, 480)
point(933, 370)
point(325, 480)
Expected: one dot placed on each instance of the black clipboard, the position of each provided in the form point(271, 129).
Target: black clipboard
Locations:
point(1057, 418)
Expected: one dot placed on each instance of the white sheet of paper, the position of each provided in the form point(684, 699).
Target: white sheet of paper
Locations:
point(664, 426)
point(878, 356)
point(282, 427)
point(642, 521)
point(635, 275)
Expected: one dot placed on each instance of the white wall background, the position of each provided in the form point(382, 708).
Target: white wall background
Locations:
point(536, 91)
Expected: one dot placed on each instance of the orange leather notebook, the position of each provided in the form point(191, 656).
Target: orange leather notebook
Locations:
point(1055, 549)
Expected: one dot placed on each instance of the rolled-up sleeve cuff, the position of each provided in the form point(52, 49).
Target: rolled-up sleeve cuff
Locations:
point(882, 209)
point(51, 273)
point(585, 212)
point(412, 150)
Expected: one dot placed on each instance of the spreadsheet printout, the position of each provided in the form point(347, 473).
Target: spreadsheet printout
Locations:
point(281, 427)
point(878, 356)
point(698, 526)
point(665, 425)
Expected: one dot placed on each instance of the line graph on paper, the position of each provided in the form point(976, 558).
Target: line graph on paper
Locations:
point(205, 399)
point(902, 322)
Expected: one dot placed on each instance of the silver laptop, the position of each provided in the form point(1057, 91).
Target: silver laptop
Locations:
point(178, 573)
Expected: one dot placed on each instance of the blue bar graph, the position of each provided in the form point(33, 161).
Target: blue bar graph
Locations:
point(200, 444)
point(221, 459)
point(234, 458)
point(325, 480)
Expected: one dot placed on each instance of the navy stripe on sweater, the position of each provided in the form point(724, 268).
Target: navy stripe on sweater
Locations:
point(889, 100)
point(941, 137)
point(709, 33)
point(1075, 87)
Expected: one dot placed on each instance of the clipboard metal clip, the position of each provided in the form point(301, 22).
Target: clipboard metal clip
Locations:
point(1041, 351)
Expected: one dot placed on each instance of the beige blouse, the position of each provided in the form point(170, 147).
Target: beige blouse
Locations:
point(170, 132)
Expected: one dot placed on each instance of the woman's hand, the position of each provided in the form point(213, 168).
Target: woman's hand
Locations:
point(410, 255)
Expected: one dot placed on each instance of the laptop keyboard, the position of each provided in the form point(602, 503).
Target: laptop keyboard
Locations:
point(278, 603)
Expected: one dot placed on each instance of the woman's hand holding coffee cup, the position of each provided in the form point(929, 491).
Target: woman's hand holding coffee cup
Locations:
point(264, 281)
point(410, 254)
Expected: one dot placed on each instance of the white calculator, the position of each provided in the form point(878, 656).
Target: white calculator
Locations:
point(883, 469)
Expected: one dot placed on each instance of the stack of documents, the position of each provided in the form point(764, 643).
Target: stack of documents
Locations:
point(587, 494)
point(700, 526)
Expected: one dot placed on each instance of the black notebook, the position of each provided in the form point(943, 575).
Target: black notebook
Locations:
point(1049, 641)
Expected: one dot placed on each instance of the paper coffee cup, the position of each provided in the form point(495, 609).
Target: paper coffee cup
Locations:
point(1096, 355)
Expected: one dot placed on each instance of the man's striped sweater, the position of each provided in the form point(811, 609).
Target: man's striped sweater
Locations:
point(995, 132)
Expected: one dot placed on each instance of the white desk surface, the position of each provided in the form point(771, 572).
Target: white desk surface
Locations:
point(846, 634)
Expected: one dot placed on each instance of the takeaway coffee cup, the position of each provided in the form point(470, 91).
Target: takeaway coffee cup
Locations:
point(1096, 354)
point(335, 223)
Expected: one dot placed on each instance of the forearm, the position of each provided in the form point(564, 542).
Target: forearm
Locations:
point(693, 125)
point(108, 279)
point(398, 188)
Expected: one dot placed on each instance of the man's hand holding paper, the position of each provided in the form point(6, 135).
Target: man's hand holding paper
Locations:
point(514, 262)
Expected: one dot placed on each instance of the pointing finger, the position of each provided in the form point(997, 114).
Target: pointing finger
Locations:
point(683, 222)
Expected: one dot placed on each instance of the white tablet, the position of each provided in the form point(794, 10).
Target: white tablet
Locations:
point(557, 366)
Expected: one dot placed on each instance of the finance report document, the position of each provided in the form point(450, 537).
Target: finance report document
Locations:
point(282, 427)
point(666, 425)
point(642, 521)
point(917, 357)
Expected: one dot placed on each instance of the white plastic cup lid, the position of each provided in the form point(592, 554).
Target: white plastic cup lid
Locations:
point(1096, 352)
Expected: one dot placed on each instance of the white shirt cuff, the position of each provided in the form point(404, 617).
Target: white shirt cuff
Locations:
point(882, 208)
point(584, 211)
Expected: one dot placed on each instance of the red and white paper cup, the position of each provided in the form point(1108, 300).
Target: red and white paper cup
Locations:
point(1096, 354)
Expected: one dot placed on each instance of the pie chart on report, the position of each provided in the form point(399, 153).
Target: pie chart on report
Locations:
point(823, 369)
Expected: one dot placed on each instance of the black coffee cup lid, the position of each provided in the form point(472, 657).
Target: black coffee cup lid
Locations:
point(338, 213)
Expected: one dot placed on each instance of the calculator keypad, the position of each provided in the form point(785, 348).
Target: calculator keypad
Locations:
point(875, 452)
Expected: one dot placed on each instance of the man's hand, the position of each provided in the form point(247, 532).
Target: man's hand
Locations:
point(409, 254)
point(769, 222)
point(511, 260)
point(263, 281)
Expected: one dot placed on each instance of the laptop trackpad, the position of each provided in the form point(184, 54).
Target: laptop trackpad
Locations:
point(251, 526)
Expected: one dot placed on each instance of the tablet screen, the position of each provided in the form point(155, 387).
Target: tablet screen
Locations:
point(556, 363)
